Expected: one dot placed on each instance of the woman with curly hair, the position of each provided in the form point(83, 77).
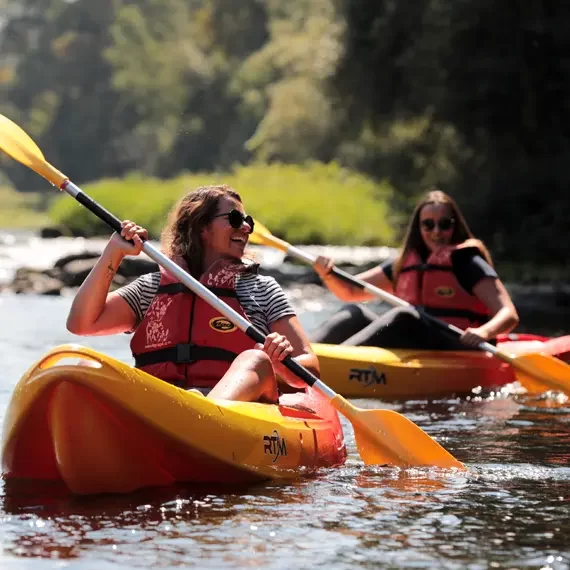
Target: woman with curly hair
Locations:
point(441, 268)
point(178, 337)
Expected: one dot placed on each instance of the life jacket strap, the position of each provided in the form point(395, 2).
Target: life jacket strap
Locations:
point(426, 267)
point(175, 288)
point(183, 354)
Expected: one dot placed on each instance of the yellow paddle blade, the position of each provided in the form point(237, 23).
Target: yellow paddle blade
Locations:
point(262, 236)
point(539, 372)
point(387, 437)
point(259, 234)
point(17, 144)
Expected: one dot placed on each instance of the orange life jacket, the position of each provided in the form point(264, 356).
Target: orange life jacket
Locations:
point(182, 339)
point(433, 285)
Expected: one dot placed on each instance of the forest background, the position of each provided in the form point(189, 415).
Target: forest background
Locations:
point(330, 117)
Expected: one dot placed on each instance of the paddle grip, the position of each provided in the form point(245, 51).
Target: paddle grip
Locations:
point(307, 377)
point(255, 334)
point(308, 258)
point(347, 277)
point(103, 214)
point(99, 211)
point(300, 371)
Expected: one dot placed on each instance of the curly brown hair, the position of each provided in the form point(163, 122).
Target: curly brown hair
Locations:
point(181, 237)
point(413, 240)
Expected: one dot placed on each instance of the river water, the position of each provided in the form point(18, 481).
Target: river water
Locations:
point(510, 510)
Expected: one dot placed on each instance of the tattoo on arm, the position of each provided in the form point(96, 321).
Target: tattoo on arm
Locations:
point(110, 271)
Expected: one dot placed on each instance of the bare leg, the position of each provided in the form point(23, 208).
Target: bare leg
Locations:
point(250, 378)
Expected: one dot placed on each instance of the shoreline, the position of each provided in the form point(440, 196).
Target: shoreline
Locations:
point(30, 264)
point(25, 252)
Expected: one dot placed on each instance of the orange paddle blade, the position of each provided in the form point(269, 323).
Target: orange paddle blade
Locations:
point(387, 437)
point(17, 144)
point(539, 372)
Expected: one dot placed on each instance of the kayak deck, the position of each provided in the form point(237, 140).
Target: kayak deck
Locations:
point(100, 425)
point(371, 372)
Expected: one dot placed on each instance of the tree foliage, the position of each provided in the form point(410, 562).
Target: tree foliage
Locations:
point(469, 95)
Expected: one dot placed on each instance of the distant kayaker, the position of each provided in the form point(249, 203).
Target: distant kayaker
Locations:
point(441, 268)
point(180, 338)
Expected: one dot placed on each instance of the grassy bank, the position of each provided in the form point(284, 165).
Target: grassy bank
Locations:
point(314, 203)
point(22, 210)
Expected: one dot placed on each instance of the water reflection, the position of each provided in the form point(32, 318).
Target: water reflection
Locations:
point(51, 523)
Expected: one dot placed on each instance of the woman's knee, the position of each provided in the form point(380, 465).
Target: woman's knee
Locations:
point(259, 368)
point(405, 315)
point(343, 324)
point(250, 378)
point(354, 310)
point(257, 360)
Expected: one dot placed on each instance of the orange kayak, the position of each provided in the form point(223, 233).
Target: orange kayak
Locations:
point(101, 426)
point(402, 374)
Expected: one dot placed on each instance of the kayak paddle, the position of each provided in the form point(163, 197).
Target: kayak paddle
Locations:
point(537, 372)
point(382, 436)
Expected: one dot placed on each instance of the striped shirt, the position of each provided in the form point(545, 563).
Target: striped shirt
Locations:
point(262, 299)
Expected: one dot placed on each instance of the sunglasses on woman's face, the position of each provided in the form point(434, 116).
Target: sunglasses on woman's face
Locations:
point(444, 224)
point(236, 219)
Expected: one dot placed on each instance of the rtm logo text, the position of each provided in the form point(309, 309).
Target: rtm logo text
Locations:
point(274, 445)
point(367, 376)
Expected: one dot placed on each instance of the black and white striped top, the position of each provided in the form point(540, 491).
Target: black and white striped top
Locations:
point(261, 297)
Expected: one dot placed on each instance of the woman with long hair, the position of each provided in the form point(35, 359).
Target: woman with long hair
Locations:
point(177, 336)
point(441, 268)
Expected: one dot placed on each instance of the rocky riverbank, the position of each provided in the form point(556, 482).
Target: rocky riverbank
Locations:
point(70, 271)
point(33, 265)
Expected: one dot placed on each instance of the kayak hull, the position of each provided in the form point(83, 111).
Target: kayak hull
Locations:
point(370, 372)
point(100, 426)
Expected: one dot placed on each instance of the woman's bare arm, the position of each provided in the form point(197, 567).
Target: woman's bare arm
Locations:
point(94, 310)
point(346, 291)
point(492, 292)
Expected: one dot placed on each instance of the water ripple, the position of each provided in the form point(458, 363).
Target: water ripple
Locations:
point(510, 509)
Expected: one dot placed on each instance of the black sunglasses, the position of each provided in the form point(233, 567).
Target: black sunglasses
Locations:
point(444, 224)
point(236, 219)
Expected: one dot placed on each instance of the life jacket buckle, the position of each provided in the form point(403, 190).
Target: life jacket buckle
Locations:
point(184, 354)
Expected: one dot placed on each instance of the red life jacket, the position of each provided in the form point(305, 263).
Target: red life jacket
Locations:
point(182, 339)
point(433, 285)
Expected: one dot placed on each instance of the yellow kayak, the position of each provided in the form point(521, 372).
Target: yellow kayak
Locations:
point(99, 425)
point(370, 372)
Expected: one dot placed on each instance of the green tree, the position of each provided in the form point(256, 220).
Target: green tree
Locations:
point(173, 61)
point(61, 91)
point(285, 84)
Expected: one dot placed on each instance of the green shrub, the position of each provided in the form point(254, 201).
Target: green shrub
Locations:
point(22, 209)
point(312, 203)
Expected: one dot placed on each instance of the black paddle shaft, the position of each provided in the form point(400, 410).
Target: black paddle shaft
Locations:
point(103, 214)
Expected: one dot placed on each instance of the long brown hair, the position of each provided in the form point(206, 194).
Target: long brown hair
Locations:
point(181, 237)
point(413, 240)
